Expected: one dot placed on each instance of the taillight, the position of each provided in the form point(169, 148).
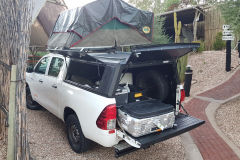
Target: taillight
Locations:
point(107, 119)
point(182, 95)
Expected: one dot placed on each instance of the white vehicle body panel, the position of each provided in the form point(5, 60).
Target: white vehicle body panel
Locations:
point(87, 105)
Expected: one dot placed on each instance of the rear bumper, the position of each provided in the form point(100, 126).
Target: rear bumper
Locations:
point(184, 123)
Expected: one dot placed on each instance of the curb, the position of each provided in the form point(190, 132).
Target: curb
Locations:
point(211, 112)
point(191, 149)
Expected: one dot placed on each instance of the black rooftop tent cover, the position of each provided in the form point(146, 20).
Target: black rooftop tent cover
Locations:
point(102, 23)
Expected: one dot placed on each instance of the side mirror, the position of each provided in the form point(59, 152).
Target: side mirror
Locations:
point(29, 69)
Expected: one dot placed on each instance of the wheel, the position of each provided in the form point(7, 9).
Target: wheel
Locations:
point(31, 104)
point(76, 139)
point(153, 84)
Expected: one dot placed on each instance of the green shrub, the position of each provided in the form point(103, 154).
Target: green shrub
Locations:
point(159, 35)
point(181, 67)
point(41, 53)
point(219, 44)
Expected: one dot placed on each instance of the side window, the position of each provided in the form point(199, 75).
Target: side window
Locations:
point(55, 66)
point(88, 75)
point(42, 66)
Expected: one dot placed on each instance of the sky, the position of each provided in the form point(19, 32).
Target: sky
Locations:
point(77, 3)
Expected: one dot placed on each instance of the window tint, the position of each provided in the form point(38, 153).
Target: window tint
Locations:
point(88, 75)
point(55, 66)
point(42, 66)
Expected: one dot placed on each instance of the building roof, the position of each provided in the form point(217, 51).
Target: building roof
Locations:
point(185, 15)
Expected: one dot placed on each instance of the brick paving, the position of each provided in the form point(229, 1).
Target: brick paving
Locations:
point(209, 143)
point(225, 90)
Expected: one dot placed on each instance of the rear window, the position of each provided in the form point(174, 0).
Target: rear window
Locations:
point(85, 74)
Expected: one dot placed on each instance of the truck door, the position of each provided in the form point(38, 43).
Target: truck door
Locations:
point(52, 83)
point(37, 80)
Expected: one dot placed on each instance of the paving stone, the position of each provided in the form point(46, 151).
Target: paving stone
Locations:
point(209, 143)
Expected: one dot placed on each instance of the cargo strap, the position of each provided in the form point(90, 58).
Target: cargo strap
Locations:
point(184, 109)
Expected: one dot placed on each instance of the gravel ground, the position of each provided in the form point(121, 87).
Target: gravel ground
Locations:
point(227, 118)
point(48, 141)
point(209, 69)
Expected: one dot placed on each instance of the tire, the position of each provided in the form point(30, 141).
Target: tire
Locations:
point(76, 139)
point(153, 84)
point(30, 103)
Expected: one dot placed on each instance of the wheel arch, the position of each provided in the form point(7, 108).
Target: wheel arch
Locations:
point(68, 111)
point(27, 86)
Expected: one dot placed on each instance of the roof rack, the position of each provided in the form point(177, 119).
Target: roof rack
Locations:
point(82, 51)
point(94, 54)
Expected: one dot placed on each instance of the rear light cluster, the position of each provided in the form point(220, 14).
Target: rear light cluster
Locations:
point(107, 119)
point(182, 91)
point(182, 95)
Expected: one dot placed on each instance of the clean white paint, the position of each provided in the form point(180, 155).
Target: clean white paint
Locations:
point(87, 105)
point(76, 3)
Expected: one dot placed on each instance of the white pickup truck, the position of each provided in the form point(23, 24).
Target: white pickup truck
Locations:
point(128, 100)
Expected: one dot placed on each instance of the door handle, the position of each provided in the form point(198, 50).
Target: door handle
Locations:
point(54, 86)
point(41, 81)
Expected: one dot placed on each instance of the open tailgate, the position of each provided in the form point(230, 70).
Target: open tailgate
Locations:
point(184, 123)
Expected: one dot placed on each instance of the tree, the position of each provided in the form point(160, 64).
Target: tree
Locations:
point(231, 14)
point(147, 5)
point(159, 35)
point(169, 5)
point(15, 18)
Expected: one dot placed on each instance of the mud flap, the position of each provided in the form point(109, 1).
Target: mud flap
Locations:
point(184, 123)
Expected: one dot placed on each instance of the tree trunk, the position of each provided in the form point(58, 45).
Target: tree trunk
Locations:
point(15, 19)
point(195, 23)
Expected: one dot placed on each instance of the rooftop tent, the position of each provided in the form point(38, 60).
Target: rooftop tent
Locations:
point(102, 23)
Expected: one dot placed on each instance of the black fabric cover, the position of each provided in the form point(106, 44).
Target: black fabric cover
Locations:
point(80, 24)
point(148, 108)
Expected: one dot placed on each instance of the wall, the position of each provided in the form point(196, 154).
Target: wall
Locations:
point(213, 25)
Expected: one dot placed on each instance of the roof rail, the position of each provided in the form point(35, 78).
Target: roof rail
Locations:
point(80, 52)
